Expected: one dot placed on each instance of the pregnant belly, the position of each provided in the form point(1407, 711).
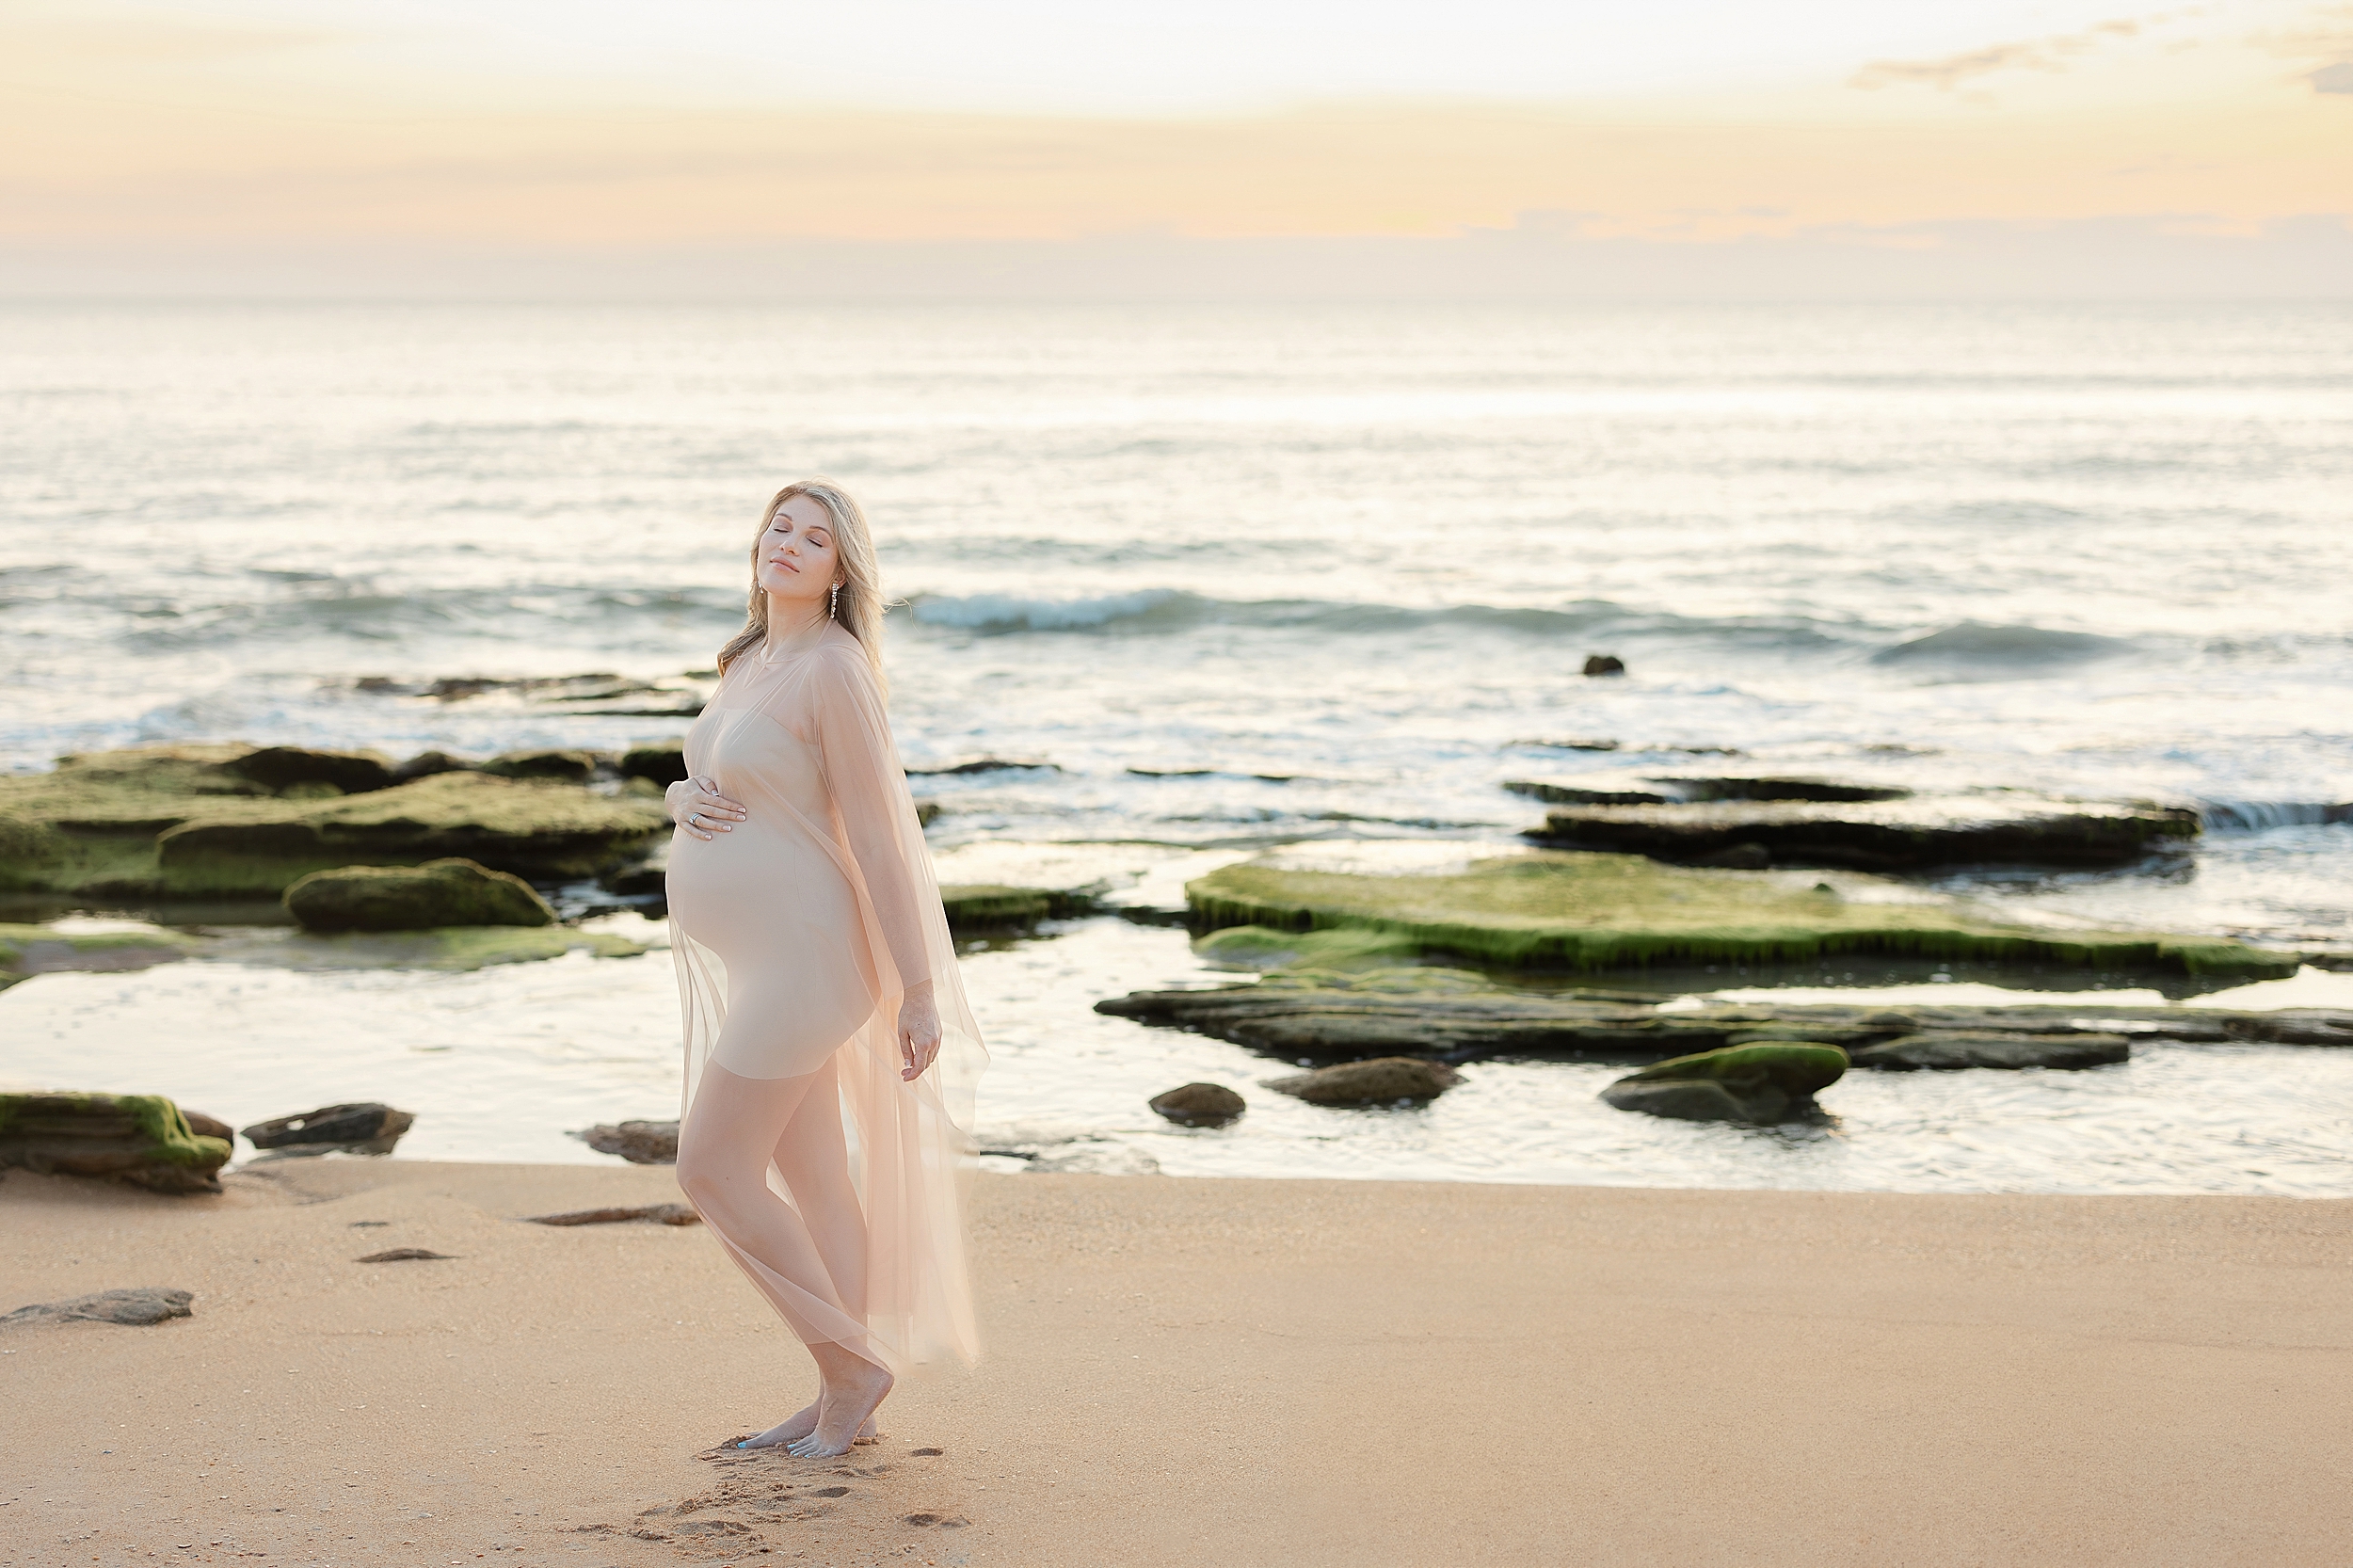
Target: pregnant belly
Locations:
point(751, 890)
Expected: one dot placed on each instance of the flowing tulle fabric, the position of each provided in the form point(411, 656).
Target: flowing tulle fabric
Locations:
point(796, 937)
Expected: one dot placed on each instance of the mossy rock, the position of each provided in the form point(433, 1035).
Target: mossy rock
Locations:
point(1258, 947)
point(1762, 1084)
point(29, 950)
point(139, 1139)
point(663, 764)
point(989, 906)
point(448, 948)
point(568, 767)
point(1567, 910)
point(414, 898)
point(181, 821)
point(284, 769)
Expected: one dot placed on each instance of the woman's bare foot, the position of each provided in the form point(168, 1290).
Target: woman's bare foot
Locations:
point(853, 1390)
point(799, 1426)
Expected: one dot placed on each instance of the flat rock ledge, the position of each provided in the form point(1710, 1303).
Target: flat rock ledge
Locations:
point(143, 1308)
point(1955, 1049)
point(1342, 1018)
point(1904, 834)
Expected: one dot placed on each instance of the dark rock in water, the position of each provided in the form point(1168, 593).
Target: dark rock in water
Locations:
point(1946, 1053)
point(208, 1127)
point(406, 1255)
point(1581, 794)
point(1604, 664)
point(984, 764)
point(364, 1128)
point(992, 908)
point(349, 773)
point(927, 812)
point(139, 1139)
point(568, 767)
point(639, 1142)
point(1199, 1105)
point(652, 1213)
point(1739, 858)
point(1383, 1081)
point(1329, 1016)
point(1685, 1100)
point(140, 1308)
point(424, 764)
point(1702, 791)
point(665, 764)
point(1899, 835)
point(650, 877)
point(1621, 790)
point(1762, 1084)
point(414, 898)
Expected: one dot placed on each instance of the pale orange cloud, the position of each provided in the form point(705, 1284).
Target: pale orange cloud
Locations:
point(184, 135)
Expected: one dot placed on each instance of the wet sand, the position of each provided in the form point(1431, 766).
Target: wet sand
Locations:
point(1197, 1372)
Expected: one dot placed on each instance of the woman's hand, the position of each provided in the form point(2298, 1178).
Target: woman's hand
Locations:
point(696, 806)
point(919, 1032)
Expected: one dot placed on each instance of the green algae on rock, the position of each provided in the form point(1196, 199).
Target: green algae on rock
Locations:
point(1763, 1083)
point(139, 1139)
point(1577, 911)
point(989, 906)
point(449, 892)
point(183, 821)
point(448, 948)
point(26, 950)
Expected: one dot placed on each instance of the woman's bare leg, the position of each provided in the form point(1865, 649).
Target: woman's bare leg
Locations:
point(813, 1157)
point(724, 1145)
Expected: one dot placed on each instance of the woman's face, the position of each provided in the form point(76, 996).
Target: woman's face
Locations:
point(799, 558)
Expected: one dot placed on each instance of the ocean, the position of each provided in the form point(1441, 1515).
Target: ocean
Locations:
point(1233, 577)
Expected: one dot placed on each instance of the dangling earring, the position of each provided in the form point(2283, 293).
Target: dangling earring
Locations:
point(833, 604)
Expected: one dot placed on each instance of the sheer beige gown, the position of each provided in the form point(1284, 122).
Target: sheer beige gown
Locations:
point(838, 1188)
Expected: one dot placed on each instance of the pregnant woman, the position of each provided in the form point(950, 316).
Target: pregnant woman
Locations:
point(830, 1055)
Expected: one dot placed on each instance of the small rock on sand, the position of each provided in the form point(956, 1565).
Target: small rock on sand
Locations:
point(1200, 1105)
point(653, 1213)
point(141, 1308)
point(1383, 1081)
point(406, 1255)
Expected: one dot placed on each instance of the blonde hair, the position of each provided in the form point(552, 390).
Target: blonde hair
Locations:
point(861, 604)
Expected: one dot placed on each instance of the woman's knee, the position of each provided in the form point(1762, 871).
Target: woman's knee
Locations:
point(704, 1169)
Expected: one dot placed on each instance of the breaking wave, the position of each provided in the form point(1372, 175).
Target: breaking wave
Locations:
point(1978, 646)
point(1171, 610)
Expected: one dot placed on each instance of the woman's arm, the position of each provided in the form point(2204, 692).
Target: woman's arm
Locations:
point(869, 788)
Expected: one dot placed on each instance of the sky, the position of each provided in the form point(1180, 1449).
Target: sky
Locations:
point(903, 146)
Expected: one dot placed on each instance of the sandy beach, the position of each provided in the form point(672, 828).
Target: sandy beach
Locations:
point(1195, 1371)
